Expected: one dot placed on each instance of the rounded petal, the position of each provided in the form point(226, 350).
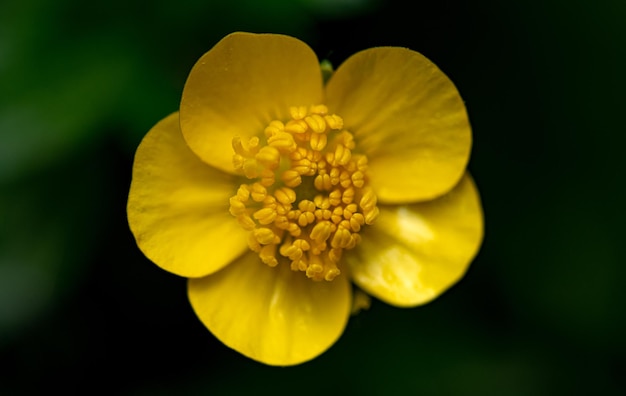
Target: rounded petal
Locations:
point(413, 253)
point(273, 315)
point(408, 117)
point(240, 85)
point(178, 206)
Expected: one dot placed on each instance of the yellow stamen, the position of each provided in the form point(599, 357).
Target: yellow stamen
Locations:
point(308, 198)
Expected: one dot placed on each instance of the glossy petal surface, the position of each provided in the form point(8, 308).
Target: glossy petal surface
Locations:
point(415, 252)
point(273, 315)
point(408, 117)
point(239, 86)
point(178, 206)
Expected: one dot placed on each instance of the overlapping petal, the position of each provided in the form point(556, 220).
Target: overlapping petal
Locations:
point(408, 118)
point(242, 84)
point(273, 315)
point(178, 206)
point(415, 252)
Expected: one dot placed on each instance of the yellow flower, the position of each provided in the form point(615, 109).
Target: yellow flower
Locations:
point(272, 192)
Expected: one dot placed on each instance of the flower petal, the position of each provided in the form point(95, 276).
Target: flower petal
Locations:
point(408, 117)
point(178, 206)
point(240, 85)
point(272, 315)
point(413, 253)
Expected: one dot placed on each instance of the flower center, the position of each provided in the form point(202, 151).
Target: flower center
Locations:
point(308, 197)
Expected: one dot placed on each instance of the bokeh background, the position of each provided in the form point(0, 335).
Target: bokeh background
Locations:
point(540, 312)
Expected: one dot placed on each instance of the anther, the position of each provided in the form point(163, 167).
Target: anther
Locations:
point(306, 205)
point(334, 176)
point(298, 112)
point(335, 197)
point(282, 222)
point(371, 215)
point(246, 222)
point(269, 157)
point(334, 255)
point(321, 231)
point(265, 236)
point(331, 274)
point(237, 207)
point(243, 193)
point(361, 163)
point(348, 195)
point(285, 195)
point(342, 154)
point(316, 123)
point(267, 178)
point(319, 109)
point(318, 141)
point(322, 182)
point(337, 215)
point(305, 219)
point(265, 216)
point(356, 221)
point(358, 179)
point(334, 122)
point(347, 139)
point(291, 178)
point(294, 230)
point(282, 141)
point(268, 255)
point(345, 179)
point(258, 192)
point(273, 128)
point(296, 126)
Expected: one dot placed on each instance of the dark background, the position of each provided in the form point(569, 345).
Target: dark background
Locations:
point(541, 310)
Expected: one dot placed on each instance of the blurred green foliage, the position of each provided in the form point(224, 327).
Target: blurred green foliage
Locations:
point(541, 310)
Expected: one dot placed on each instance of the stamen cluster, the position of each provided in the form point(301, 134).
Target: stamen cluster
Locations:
point(309, 196)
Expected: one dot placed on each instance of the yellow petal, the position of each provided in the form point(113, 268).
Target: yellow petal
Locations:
point(408, 117)
point(178, 206)
point(413, 253)
point(273, 315)
point(240, 85)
